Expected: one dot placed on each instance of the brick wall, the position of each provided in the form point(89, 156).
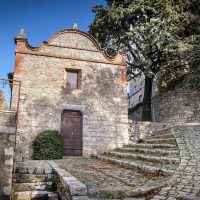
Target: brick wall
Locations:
point(7, 142)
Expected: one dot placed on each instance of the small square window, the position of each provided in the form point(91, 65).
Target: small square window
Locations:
point(73, 79)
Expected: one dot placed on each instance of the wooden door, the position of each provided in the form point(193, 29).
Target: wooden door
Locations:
point(71, 130)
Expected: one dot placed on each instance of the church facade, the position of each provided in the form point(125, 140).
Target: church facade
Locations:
point(71, 85)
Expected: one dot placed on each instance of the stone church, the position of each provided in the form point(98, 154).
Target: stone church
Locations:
point(70, 84)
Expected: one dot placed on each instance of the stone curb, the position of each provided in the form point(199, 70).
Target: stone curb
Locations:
point(73, 188)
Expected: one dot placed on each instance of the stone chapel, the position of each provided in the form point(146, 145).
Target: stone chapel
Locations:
point(70, 84)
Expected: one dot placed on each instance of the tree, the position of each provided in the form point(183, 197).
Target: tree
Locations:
point(151, 32)
point(169, 78)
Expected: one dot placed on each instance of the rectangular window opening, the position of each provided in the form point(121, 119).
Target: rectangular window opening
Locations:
point(73, 79)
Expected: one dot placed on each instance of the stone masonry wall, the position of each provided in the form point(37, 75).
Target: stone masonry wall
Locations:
point(135, 113)
point(139, 130)
point(179, 105)
point(7, 143)
point(101, 98)
point(3, 104)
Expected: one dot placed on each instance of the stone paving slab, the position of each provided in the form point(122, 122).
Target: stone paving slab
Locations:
point(105, 180)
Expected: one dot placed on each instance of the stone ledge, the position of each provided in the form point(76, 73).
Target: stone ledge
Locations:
point(68, 185)
point(33, 167)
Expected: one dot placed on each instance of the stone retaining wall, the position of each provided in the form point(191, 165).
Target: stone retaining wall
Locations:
point(179, 105)
point(7, 143)
point(135, 113)
point(139, 130)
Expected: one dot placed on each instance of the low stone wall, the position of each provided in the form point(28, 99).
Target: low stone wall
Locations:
point(139, 130)
point(7, 143)
point(68, 186)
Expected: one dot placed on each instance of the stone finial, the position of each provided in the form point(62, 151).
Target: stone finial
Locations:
point(75, 25)
point(21, 34)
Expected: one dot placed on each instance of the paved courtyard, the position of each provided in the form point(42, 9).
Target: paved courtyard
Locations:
point(107, 180)
point(114, 180)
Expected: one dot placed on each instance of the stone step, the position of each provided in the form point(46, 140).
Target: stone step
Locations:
point(163, 136)
point(149, 151)
point(38, 186)
point(31, 167)
point(139, 198)
point(29, 195)
point(31, 178)
point(142, 166)
point(160, 141)
point(151, 145)
point(162, 132)
point(148, 158)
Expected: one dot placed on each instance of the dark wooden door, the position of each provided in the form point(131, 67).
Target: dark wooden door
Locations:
point(71, 130)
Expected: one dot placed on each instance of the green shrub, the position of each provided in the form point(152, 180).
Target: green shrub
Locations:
point(48, 145)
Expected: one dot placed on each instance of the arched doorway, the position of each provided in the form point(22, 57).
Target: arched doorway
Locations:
point(71, 131)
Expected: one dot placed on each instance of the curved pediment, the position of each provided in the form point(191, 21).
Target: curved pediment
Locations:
point(71, 44)
point(73, 38)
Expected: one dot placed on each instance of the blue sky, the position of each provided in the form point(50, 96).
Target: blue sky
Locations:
point(40, 20)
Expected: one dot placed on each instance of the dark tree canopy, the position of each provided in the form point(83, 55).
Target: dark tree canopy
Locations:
point(157, 36)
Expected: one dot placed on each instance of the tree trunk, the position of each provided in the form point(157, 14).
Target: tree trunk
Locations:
point(146, 112)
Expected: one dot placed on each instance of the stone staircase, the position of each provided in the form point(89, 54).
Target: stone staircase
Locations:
point(157, 154)
point(136, 171)
point(33, 182)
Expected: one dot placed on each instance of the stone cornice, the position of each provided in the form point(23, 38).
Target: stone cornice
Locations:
point(69, 58)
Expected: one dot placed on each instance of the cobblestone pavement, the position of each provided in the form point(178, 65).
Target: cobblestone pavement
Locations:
point(105, 180)
point(185, 183)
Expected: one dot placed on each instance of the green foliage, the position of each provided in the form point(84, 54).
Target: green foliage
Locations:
point(153, 33)
point(48, 145)
point(193, 80)
point(167, 80)
point(150, 32)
